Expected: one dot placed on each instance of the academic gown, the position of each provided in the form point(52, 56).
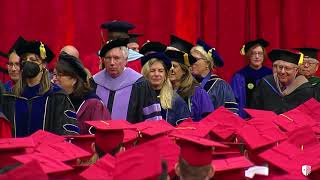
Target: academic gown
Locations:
point(8, 86)
point(30, 112)
point(219, 91)
point(314, 80)
point(243, 84)
point(199, 104)
point(267, 96)
point(177, 113)
point(89, 108)
point(128, 97)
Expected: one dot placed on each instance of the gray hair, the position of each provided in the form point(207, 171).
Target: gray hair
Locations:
point(125, 52)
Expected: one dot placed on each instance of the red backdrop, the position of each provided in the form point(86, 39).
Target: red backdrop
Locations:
point(225, 24)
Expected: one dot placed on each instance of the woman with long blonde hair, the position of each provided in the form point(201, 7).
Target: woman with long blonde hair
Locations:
point(156, 67)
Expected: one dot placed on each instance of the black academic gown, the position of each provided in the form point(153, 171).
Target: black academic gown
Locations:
point(266, 96)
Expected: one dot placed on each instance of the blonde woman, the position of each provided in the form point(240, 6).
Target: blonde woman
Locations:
point(219, 91)
point(187, 87)
point(36, 103)
point(156, 67)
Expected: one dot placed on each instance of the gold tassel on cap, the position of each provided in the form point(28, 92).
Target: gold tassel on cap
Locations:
point(242, 52)
point(301, 58)
point(210, 52)
point(42, 49)
point(186, 59)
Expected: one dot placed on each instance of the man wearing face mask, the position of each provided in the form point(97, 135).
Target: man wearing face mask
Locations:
point(285, 89)
point(36, 103)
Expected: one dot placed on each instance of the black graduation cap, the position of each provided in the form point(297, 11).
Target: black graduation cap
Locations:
point(113, 44)
point(309, 52)
point(74, 64)
point(159, 55)
point(36, 47)
point(285, 55)
point(250, 44)
point(117, 26)
point(133, 38)
point(152, 46)
point(180, 44)
point(217, 60)
point(180, 57)
point(16, 44)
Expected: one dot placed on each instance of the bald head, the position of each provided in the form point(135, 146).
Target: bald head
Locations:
point(71, 50)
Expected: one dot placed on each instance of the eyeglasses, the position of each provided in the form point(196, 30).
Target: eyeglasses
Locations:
point(286, 68)
point(260, 54)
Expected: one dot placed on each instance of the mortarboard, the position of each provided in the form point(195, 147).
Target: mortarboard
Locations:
point(196, 151)
point(117, 26)
point(48, 164)
point(44, 137)
point(133, 38)
point(82, 141)
point(301, 148)
point(217, 59)
point(16, 143)
point(151, 47)
point(109, 134)
point(256, 113)
point(225, 123)
point(102, 169)
point(285, 55)
point(231, 168)
point(20, 41)
point(158, 55)
point(258, 133)
point(245, 48)
point(113, 44)
point(140, 162)
point(199, 129)
point(74, 63)
point(180, 44)
point(310, 107)
point(62, 151)
point(309, 52)
point(180, 57)
point(36, 47)
point(30, 170)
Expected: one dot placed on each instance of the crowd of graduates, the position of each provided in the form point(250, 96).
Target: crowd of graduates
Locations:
point(158, 112)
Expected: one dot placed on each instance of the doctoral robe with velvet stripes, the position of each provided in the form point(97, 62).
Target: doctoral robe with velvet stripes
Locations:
point(128, 97)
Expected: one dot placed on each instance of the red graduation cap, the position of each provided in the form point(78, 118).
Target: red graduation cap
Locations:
point(231, 168)
point(48, 164)
point(154, 128)
point(294, 119)
point(30, 170)
point(311, 107)
point(258, 133)
point(16, 143)
point(225, 122)
point(200, 129)
point(82, 141)
point(109, 134)
point(256, 113)
point(196, 151)
point(102, 169)
point(138, 163)
point(297, 151)
point(45, 137)
point(63, 151)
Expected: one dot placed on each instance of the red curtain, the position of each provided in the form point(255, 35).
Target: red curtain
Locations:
point(226, 25)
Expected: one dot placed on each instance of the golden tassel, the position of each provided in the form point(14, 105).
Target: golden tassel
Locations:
point(186, 59)
point(242, 52)
point(42, 49)
point(301, 58)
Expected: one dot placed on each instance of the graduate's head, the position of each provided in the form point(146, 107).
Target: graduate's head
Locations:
point(181, 63)
point(14, 60)
point(14, 66)
point(71, 75)
point(133, 42)
point(310, 63)
point(155, 68)
point(188, 172)
point(285, 63)
point(114, 55)
point(255, 52)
